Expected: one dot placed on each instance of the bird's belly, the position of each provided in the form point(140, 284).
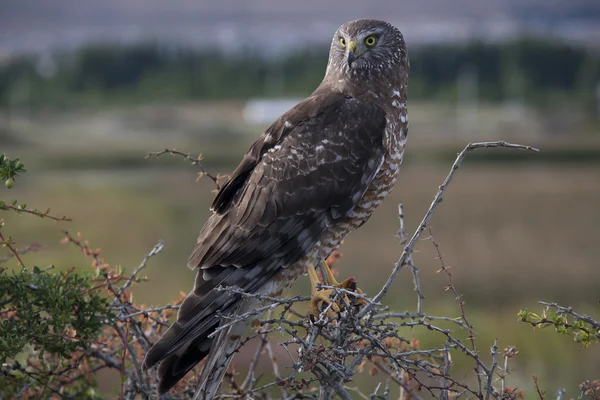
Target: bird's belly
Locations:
point(380, 187)
point(330, 240)
point(373, 197)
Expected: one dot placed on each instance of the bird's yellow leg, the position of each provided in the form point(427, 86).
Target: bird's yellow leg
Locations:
point(324, 295)
point(318, 296)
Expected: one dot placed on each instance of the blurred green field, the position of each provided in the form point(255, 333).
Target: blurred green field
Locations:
point(515, 231)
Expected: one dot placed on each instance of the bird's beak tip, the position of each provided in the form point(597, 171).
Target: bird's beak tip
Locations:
point(351, 58)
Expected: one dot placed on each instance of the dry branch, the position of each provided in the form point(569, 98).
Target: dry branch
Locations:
point(195, 161)
point(408, 249)
point(326, 353)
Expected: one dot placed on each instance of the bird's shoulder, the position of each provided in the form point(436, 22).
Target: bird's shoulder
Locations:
point(325, 111)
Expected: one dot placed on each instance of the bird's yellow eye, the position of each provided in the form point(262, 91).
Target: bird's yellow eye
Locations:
point(370, 41)
point(343, 42)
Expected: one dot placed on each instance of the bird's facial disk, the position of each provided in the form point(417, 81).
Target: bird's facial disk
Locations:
point(357, 45)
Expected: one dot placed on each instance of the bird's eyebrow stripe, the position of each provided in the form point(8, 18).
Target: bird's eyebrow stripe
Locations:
point(377, 32)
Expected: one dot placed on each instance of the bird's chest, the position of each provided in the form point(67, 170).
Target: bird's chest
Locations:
point(394, 141)
point(385, 178)
point(380, 187)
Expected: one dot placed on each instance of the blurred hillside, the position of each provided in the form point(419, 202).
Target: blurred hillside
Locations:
point(270, 25)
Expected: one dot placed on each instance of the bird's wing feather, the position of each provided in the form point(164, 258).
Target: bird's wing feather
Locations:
point(314, 163)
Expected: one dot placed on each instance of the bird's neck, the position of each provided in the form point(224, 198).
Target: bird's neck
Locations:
point(390, 92)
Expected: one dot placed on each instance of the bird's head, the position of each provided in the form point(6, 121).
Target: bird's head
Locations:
point(365, 48)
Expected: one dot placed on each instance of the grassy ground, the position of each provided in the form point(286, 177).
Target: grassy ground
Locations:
point(514, 233)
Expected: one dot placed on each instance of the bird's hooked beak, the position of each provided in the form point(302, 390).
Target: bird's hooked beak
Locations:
point(352, 54)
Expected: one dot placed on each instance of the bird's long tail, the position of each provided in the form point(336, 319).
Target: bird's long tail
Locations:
point(220, 355)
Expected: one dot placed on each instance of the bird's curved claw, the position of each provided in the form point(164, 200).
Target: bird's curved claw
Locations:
point(321, 297)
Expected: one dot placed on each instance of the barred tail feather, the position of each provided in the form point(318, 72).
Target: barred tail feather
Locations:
point(220, 355)
point(173, 368)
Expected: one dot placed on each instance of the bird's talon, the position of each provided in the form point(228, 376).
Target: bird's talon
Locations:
point(349, 284)
point(323, 296)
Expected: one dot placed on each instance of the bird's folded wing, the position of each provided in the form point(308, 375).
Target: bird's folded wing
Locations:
point(306, 172)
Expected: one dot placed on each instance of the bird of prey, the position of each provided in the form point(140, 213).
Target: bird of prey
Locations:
point(315, 175)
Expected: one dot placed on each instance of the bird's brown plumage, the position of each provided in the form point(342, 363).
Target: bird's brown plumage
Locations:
point(316, 174)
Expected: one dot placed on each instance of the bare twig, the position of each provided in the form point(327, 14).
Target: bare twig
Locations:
point(509, 353)
point(461, 304)
point(37, 213)
point(250, 377)
point(329, 349)
point(8, 245)
point(436, 201)
point(569, 311)
point(195, 161)
point(490, 377)
point(145, 312)
point(33, 247)
point(537, 388)
point(123, 376)
point(155, 250)
point(410, 262)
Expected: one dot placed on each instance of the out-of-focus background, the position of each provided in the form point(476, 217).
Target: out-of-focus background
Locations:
point(88, 87)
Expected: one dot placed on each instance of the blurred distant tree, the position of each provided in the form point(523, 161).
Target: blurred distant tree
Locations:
point(534, 71)
point(108, 67)
point(588, 83)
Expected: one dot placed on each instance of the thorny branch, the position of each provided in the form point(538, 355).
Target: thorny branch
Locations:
point(9, 244)
point(461, 304)
point(37, 213)
point(408, 249)
point(566, 320)
point(569, 311)
point(33, 247)
point(537, 388)
point(316, 358)
point(195, 161)
point(409, 261)
point(355, 336)
point(133, 328)
point(157, 249)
